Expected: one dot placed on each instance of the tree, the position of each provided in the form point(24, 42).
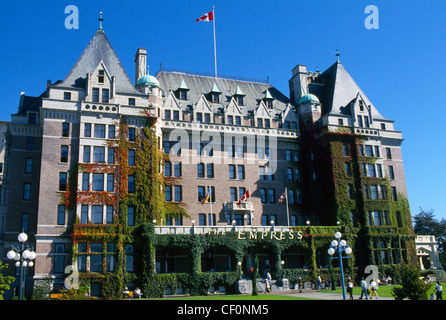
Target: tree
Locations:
point(4, 280)
point(412, 287)
point(426, 224)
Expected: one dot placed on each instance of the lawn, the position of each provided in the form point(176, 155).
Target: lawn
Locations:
point(383, 291)
point(239, 297)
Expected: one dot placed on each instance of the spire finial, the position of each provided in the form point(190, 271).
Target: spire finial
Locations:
point(147, 70)
point(337, 54)
point(100, 20)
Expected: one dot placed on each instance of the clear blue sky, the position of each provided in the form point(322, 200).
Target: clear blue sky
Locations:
point(401, 66)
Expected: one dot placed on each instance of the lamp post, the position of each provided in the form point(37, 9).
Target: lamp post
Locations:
point(23, 257)
point(239, 270)
point(339, 246)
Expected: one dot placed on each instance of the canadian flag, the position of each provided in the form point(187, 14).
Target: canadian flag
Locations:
point(206, 17)
point(245, 196)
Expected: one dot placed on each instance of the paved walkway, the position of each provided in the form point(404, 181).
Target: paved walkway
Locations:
point(327, 295)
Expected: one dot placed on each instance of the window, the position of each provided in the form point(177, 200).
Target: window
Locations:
point(290, 196)
point(59, 258)
point(215, 98)
point(377, 152)
point(238, 121)
point(111, 131)
point(361, 150)
point(288, 155)
point(366, 121)
point(166, 114)
point(63, 153)
point(231, 120)
point(132, 101)
point(360, 121)
point(101, 76)
point(232, 171)
point(111, 155)
point(176, 115)
point(374, 192)
point(371, 170)
point(98, 182)
point(233, 193)
point(25, 222)
point(129, 258)
point(131, 157)
point(96, 258)
point(177, 170)
point(168, 193)
point(240, 100)
point(87, 130)
point(345, 150)
point(167, 169)
point(28, 165)
point(87, 150)
point(341, 122)
point(348, 170)
point(131, 184)
point(99, 154)
point(109, 215)
point(65, 129)
point(199, 117)
point(132, 134)
point(95, 95)
point(105, 95)
point(178, 193)
point(110, 259)
point(183, 95)
point(200, 170)
point(85, 181)
point(394, 194)
point(27, 191)
point(271, 196)
point(97, 214)
point(389, 154)
point(265, 220)
point(62, 181)
point(391, 173)
point(263, 195)
point(369, 151)
point(351, 191)
point(201, 193)
point(32, 118)
point(210, 170)
point(289, 174)
point(131, 216)
point(110, 182)
point(29, 143)
point(261, 173)
point(207, 118)
point(241, 171)
point(267, 123)
point(202, 219)
point(67, 95)
point(212, 219)
point(383, 126)
point(259, 122)
point(99, 130)
point(379, 170)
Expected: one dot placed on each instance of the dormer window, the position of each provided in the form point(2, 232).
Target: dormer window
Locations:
point(240, 100)
point(269, 104)
point(32, 118)
point(183, 94)
point(215, 97)
point(101, 76)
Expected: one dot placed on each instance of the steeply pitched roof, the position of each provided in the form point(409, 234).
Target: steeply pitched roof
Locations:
point(339, 91)
point(253, 92)
point(99, 49)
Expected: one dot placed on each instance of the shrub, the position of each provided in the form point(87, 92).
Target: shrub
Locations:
point(412, 287)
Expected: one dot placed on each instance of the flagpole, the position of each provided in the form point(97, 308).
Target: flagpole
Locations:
point(210, 199)
point(250, 205)
point(287, 210)
point(215, 45)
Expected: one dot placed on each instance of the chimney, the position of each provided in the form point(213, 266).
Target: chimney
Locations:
point(140, 63)
point(22, 98)
point(298, 83)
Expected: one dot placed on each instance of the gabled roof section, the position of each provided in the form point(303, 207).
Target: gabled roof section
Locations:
point(339, 90)
point(99, 49)
point(200, 85)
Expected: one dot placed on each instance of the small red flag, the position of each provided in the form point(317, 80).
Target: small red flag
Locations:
point(206, 17)
point(245, 196)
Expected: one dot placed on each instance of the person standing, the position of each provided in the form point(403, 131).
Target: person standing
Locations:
point(363, 285)
point(439, 291)
point(300, 283)
point(350, 288)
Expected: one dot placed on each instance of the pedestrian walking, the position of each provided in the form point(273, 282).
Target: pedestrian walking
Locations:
point(319, 283)
point(268, 282)
point(439, 291)
point(374, 286)
point(300, 284)
point(364, 286)
point(350, 288)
